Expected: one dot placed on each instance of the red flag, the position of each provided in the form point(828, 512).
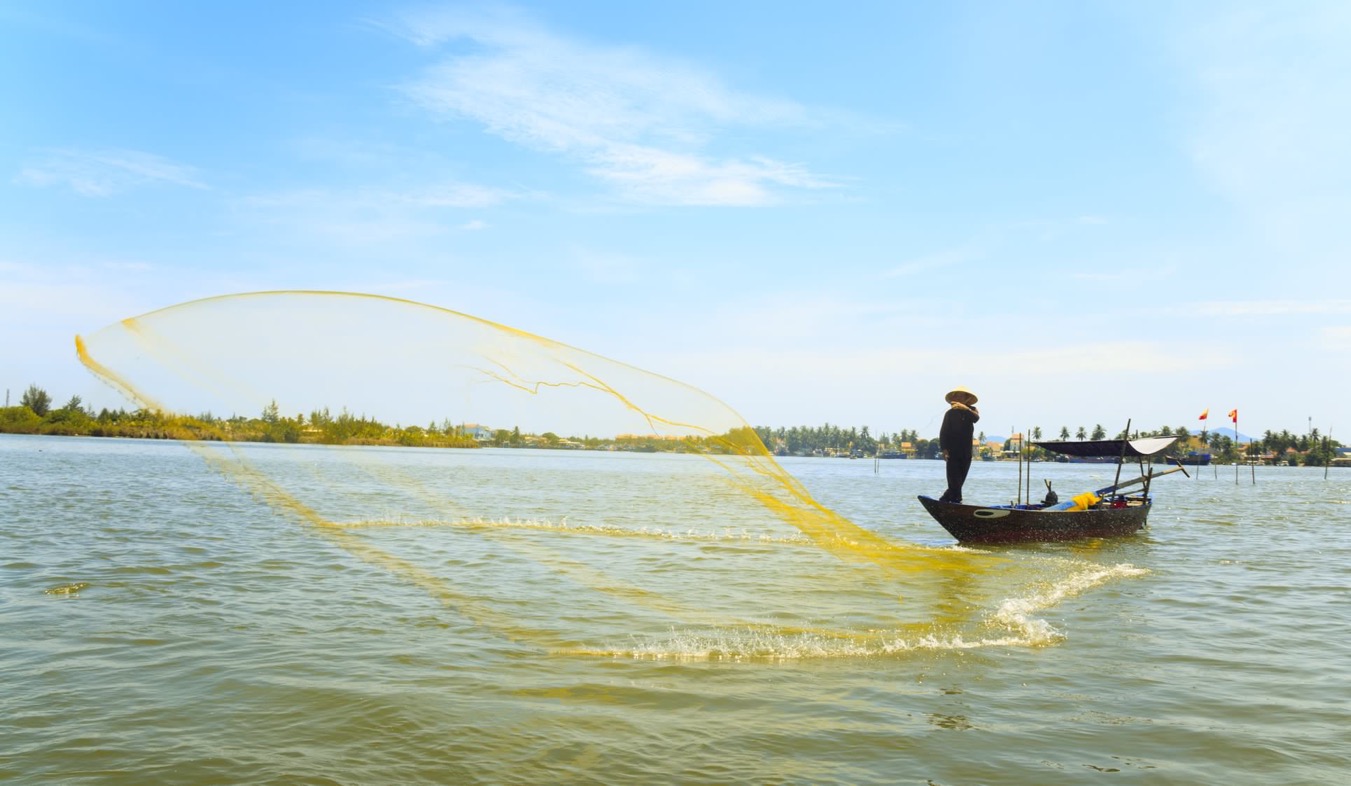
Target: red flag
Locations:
point(1233, 415)
point(1205, 414)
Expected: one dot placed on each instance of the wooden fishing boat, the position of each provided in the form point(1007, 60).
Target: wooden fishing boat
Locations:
point(1106, 512)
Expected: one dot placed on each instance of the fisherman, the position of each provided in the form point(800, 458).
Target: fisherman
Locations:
point(954, 439)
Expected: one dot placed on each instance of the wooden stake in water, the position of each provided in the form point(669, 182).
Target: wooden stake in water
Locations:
point(1327, 453)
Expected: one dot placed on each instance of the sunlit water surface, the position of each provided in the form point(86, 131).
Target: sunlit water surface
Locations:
point(160, 625)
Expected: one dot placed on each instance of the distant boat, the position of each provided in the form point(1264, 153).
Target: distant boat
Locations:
point(1105, 512)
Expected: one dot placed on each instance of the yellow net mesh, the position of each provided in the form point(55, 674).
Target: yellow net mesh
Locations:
point(705, 547)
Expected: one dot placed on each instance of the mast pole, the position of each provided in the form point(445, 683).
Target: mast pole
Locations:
point(1121, 459)
point(1205, 446)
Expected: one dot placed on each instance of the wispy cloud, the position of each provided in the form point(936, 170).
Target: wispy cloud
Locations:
point(1274, 89)
point(102, 173)
point(129, 267)
point(63, 294)
point(653, 175)
point(373, 215)
point(1103, 276)
point(606, 268)
point(1271, 308)
point(1336, 338)
point(937, 261)
point(642, 123)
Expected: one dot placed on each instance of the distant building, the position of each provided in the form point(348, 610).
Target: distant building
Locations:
point(478, 431)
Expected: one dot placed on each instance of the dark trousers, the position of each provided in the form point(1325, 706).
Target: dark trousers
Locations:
point(957, 465)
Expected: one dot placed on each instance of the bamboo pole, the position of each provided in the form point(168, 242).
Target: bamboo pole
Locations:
point(1028, 481)
point(1121, 459)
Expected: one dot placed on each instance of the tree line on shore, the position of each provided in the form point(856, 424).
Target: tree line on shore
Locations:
point(1310, 449)
point(36, 415)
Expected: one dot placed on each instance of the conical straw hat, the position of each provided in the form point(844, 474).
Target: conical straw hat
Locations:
point(961, 394)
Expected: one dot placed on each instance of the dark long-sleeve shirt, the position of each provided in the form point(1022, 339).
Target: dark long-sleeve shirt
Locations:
point(959, 424)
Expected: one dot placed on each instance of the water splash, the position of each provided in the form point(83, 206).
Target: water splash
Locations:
point(727, 555)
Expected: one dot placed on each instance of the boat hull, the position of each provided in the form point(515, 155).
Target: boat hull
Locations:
point(1009, 524)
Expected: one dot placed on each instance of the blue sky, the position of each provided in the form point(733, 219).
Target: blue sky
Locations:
point(1086, 212)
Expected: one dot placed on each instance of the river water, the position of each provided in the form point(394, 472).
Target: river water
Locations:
point(161, 624)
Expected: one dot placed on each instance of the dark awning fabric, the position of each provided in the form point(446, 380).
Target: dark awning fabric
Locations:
point(1142, 448)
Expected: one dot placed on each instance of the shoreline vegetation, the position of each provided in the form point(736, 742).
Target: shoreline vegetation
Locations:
point(35, 415)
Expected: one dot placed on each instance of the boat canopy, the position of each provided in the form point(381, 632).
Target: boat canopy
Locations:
point(1094, 448)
